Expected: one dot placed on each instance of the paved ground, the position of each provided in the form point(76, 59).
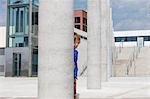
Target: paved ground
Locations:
point(115, 88)
point(18, 88)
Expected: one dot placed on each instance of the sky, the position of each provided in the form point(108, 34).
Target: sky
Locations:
point(131, 14)
point(2, 12)
point(127, 14)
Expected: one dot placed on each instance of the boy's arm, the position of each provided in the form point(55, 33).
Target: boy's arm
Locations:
point(75, 57)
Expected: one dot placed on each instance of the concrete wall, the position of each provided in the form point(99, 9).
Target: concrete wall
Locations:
point(24, 61)
point(82, 60)
point(2, 61)
point(2, 37)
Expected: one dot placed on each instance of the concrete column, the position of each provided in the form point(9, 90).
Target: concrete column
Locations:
point(56, 49)
point(94, 42)
point(30, 39)
point(109, 43)
point(104, 39)
point(112, 43)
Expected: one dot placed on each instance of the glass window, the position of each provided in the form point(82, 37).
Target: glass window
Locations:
point(120, 39)
point(117, 39)
point(77, 26)
point(35, 20)
point(84, 28)
point(35, 62)
point(146, 38)
point(36, 2)
point(21, 21)
point(34, 42)
point(77, 19)
point(18, 20)
point(25, 41)
point(85, 21)
point(21, 45)
point(131, 38)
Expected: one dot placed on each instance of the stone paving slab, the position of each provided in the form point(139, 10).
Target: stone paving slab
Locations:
point(18, 87)
point(18, 98)
point(116, 88)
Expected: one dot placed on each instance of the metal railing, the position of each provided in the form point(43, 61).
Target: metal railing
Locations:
point(84, 68)
point(116, 52)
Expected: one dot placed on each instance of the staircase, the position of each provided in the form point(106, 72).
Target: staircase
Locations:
point(120, 66)
point(127, 66)
point(142, 64)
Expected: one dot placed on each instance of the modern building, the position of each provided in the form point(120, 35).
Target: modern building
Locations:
point(132, 38)
point(22, 38)
point(80, 20)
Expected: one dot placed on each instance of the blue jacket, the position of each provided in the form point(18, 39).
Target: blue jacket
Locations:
point(75, 63)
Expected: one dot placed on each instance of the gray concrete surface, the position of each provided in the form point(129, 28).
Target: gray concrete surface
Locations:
point(104, 39)
point(94, 42)
point(115, 88)
point(56, 62)
point(18, 88)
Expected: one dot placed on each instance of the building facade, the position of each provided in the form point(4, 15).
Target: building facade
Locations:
point(80, 20)
point(22, 38)
point(132, 38)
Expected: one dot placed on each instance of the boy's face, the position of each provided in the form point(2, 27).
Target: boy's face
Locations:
point(76, 43)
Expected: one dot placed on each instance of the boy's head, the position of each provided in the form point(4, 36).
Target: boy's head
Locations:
point(76, 40)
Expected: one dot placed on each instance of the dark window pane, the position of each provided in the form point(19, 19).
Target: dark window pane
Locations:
point(146, 38)
point(84, 28)
point(26, 41)
point(131, 39)
point(21, 22)
point(34, 18)
point(85, 21)
point(77, 19)
point(20, 44)
point(120, 39)
point(77, 26)
point(17, 20)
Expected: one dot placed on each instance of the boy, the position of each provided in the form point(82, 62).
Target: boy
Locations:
point(76, 43)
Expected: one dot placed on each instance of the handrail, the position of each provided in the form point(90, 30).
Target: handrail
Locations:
point(116, 53)
point(132, 60)
point(84, 69)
